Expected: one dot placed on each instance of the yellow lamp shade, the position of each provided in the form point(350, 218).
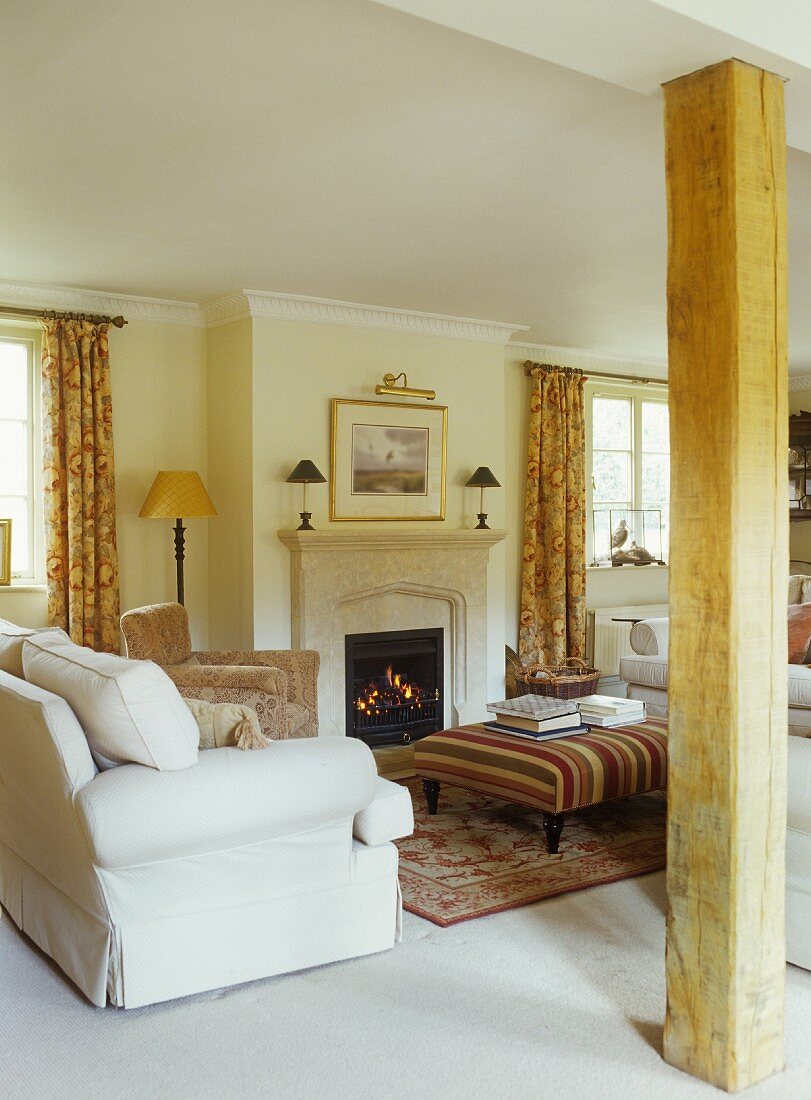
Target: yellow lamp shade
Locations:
point(177, 494)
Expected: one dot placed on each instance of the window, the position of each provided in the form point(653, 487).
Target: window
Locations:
point(18, 483)
point(628, 456)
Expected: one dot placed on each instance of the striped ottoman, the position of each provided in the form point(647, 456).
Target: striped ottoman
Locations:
point(555, 776)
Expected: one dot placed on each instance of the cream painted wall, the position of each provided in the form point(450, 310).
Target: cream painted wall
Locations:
point(231, 465)
point(159, 423)
point(298, 368)
point(604, 587)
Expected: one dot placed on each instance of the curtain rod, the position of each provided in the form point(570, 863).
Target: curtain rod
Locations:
point(50, 314)
point(528, 365)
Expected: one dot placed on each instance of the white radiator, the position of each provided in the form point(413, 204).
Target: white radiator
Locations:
point(608, 641)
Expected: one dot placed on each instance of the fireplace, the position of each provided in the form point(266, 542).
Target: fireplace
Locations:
point(394, 685)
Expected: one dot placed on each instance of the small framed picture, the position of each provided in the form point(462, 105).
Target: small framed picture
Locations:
point(388, 461)
point(5, 551)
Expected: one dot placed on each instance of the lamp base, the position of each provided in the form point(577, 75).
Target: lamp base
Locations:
point(305, 524)
point(482, 525)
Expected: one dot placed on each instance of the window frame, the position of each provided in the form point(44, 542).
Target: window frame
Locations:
point(638, 393)
point(29, 336)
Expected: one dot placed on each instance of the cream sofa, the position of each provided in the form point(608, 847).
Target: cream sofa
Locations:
point(798, 854)
point(227, 866)
point(645, 676)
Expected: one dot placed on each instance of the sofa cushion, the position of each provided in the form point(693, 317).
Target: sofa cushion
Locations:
point(390, 814)
point(799, 686)
point(799, 632)
point(799, 588)
point(130, 711)
point(651, 671)
point(227, 725)
point(11, 644)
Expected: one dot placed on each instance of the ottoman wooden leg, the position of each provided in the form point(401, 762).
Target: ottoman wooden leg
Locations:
point(553, 827)
point(431, 789)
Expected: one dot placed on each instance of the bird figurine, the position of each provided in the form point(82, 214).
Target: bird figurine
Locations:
point(620, 535)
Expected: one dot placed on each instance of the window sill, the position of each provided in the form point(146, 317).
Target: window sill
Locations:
point(625, 568)
point(23, 586)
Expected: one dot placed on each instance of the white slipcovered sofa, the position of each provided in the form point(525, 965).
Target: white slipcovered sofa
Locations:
point(798, 854)
point(145, 884)
point(645, 676)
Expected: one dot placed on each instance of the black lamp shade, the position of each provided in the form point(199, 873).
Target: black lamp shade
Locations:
point(305, 472)
point(483, 478)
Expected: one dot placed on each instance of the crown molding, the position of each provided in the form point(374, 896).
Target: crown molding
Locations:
point(234, 307)
point(798, 382)
point(68, 299)
point(587, 360)
point(327, 311)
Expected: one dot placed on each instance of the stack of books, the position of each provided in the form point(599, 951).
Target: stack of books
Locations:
point(537, 717)
point(606, 711)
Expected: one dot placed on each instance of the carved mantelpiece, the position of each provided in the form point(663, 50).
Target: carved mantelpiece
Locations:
point(361, 580)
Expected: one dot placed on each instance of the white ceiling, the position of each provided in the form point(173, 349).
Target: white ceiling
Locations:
point(342, 149)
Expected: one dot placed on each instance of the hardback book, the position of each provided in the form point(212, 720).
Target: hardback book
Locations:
point(606, 721)
point(549, 735)
point(607, 704)
point(538, 725)
point(536, 707)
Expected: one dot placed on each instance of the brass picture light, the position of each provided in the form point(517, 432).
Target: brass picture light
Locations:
point(390, 388)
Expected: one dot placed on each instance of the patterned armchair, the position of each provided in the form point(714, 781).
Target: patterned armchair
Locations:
point(280, 685)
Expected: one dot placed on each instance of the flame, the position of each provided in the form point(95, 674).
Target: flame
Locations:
point(391, 690)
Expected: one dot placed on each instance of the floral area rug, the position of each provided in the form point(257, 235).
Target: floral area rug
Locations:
point(479, 856)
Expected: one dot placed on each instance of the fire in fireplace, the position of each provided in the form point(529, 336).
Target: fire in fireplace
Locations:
point(394, 685)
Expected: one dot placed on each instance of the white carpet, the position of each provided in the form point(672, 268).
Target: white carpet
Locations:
point(561, 999)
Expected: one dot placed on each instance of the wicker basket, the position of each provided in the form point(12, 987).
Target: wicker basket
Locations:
point(571, 680)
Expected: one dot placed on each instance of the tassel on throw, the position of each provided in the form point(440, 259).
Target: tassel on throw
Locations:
point(248, 736)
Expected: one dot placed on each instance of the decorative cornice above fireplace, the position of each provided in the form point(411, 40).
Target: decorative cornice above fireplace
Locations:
point(382, 539)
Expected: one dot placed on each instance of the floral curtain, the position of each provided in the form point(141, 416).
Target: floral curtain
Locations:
point(79, 483)
point(553, 584)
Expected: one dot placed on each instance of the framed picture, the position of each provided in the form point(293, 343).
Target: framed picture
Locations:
point(388, 460)
point(5, 551)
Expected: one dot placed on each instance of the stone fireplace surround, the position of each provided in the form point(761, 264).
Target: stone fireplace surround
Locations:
point(357, 581)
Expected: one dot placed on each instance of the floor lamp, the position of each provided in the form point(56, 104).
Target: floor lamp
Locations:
point(177, 493)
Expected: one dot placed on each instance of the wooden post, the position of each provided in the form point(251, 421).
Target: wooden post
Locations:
point(725, 148)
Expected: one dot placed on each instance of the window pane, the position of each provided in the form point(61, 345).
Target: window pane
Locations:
point(13, 380)
point(612, 476)
point(655, 480)
point(655, 426)
point(602, 538)
point(611, 423)
point(13, 457)
point(16, 509)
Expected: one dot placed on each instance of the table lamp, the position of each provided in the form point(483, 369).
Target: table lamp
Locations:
point(306, 473)
point(177, 493)
point(483, 478)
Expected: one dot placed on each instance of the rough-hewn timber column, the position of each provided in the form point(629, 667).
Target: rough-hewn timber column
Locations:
point(729, 558)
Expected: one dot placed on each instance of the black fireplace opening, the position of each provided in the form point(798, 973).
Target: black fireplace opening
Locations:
point(394, 685)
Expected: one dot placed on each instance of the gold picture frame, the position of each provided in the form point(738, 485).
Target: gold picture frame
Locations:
point(388, 461)
point(5, 551)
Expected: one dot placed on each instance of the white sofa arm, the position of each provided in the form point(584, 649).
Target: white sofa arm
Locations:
point(134, 814)
point(649, 637)
point(389, 816)
point(799, 784)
